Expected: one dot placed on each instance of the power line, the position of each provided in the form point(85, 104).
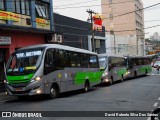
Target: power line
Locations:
point(152, 26)
point(136, 29)
point(75, 3)
point(94, 5)
point(152, 20)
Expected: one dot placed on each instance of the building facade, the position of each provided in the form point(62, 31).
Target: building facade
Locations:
point(121, 20)
point(77, 33)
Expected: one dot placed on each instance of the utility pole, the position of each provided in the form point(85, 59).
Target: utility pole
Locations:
point(112, 32)
point(90, 12)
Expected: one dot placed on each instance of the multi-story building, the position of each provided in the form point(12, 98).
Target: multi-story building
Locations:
point(124, 18)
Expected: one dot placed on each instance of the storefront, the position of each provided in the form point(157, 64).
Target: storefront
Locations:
point(10, 41)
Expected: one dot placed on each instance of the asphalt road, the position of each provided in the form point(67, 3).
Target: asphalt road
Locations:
point(140, 94)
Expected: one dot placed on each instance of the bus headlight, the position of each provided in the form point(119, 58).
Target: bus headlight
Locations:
point(36, 79)
point(104, 74)
point(5, 82)
point(129, 72)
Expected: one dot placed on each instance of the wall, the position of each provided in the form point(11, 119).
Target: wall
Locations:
point(127, 40)
point(21, 39)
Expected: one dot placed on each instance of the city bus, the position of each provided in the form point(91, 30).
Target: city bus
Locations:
point(138, 65)
point(113, 68)
point(51, 69)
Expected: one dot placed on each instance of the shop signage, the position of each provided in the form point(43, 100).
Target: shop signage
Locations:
point(97, 22)
point(5, 40)
point(42, 22)
point(4, 15)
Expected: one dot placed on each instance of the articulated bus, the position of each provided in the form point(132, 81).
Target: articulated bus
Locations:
point(51, 69)
point(113, 68)
point(138, 65)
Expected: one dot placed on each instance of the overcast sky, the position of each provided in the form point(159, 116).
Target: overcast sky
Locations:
point(77, 9)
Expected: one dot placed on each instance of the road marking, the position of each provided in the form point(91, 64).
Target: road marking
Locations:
point(155, 104)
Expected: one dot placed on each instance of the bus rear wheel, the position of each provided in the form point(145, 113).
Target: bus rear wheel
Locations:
point(86, 86)
point(135, 74)
point(146, 73)
point(54, 92)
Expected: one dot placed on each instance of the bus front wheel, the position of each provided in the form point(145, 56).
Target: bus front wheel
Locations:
point(54, 92)
point(111, 81)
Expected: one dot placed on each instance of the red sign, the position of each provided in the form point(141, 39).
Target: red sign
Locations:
point(97, 19)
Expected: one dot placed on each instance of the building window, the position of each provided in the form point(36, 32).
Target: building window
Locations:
point(17, 6)
point(110, 1)
point(21, 7)
point(122, 48)
point(111, 16)
point(42, 10)
point(2, 4)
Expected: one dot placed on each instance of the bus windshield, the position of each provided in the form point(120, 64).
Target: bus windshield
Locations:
point(24, 62)
point(103, 62)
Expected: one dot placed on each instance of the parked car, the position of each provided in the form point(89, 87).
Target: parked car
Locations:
point(156, 64)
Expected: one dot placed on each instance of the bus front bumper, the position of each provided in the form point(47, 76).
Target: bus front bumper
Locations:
point(25, 91)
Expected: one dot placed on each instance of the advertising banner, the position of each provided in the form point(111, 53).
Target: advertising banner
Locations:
point(42, 22)
point(4, 15)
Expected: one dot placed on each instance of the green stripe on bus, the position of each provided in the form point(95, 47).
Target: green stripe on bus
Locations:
point(19, 79)
point(144, 68)
point(121, 72)
point(91, 76)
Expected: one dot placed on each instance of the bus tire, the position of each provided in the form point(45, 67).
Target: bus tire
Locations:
point(146, 73)
point(111, 81)
point(135, 74)
point(54, 91)
point(122, 78)
point(86, 86)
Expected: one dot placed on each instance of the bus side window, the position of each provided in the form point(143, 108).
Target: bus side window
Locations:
point(109, 64)
point(48, 63)
point(74, 59)
point(84, 61)
point(93, 61)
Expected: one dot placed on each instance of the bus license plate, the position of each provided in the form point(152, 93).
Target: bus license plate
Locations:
point(18, 89)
